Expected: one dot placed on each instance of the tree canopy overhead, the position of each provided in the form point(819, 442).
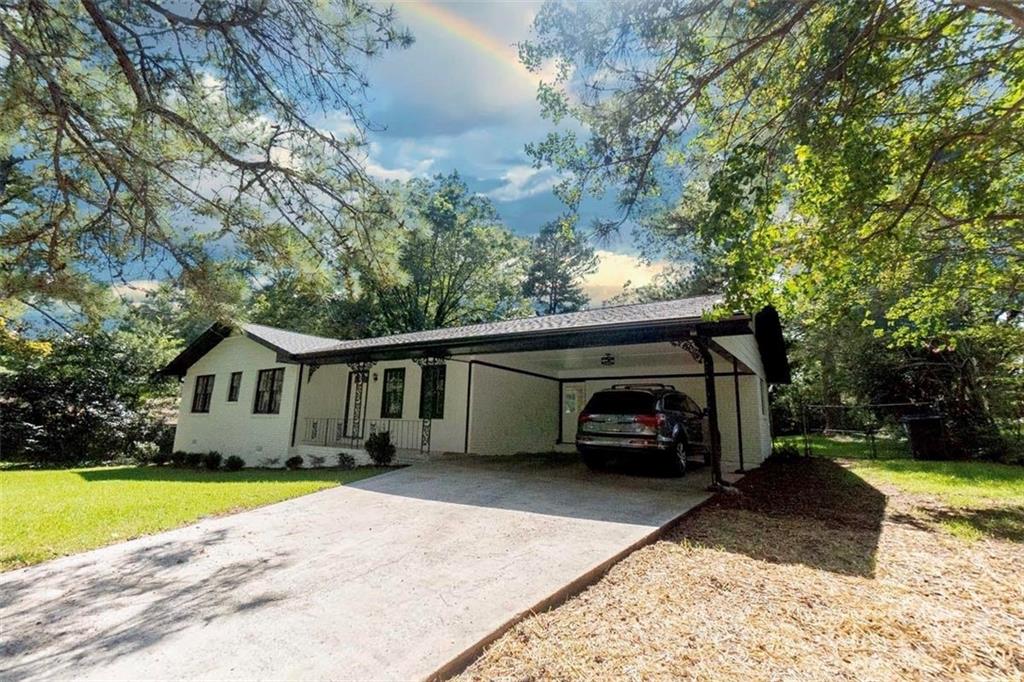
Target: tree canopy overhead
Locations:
point(140, 132)
point(859, 154)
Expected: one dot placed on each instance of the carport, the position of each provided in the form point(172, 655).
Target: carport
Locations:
point(514, 386)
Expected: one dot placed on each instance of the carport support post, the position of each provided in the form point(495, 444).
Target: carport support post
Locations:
point(708, 360)
point(361, 377)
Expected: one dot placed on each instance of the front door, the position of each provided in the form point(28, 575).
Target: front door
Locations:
point(574, 397)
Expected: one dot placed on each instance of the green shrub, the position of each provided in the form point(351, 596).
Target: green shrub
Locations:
point(346, 461)
point(178, 458)
point(234, 463)
point(211, 460)
point(144, 452)
point(293, 462)
point(161, 458)
point(270, 462)
point(193, 460)
point(380, 448)
point(316, 461)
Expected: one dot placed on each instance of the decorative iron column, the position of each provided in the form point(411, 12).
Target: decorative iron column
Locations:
point(697, 347)
point(360, 375)
point(423, 363)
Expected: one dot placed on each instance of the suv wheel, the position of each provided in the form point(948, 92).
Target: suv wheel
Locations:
point(676, 458)
point(594, 460)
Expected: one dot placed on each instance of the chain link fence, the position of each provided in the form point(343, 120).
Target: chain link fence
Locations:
point(881, 430)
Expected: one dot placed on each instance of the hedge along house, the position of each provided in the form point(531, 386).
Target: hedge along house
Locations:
point(498, 388)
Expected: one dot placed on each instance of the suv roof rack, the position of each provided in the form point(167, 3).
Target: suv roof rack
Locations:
point(657, 387)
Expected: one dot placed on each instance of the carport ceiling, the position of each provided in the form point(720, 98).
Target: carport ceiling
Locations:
point(623, 357)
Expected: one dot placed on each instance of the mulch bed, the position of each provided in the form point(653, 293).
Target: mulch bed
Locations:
point(809, 573)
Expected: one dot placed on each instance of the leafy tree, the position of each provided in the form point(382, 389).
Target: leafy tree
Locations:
point(139, 134)
point(459, 264)
point(81, 396)
point(315, 306)
point(846, 159)
point(847, 144)
point(559, 259)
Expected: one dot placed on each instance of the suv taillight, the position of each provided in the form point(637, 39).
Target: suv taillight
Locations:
point(650, 420)
point(583, 418)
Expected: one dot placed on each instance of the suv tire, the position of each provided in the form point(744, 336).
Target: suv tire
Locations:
point(675, 459)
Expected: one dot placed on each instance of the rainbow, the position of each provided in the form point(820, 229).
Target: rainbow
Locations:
point(469, 33)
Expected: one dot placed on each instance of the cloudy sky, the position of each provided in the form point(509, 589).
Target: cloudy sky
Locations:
point(458, 99)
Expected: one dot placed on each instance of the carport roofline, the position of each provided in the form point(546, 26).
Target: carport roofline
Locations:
point(627, 333)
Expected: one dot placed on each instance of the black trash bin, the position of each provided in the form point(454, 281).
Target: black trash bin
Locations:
point(927, 436)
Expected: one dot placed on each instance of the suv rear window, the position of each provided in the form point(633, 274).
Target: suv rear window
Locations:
point(621, 402)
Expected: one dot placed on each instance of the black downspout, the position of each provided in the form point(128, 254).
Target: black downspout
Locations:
point(348, 397)
point(469, 396)
point(709, 388)
point(298, 395)
point(739, 416)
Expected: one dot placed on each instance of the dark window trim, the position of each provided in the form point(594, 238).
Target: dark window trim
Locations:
point(275, 387)
point(201, 401)
point(392, 371)
point(233, 389)
point(438, 405)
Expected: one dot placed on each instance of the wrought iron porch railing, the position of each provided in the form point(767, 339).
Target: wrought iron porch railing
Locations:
point(406, 434)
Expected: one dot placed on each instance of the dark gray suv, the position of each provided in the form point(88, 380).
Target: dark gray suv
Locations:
point(643, 419)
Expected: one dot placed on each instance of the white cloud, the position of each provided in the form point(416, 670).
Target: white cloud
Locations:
point(419, 169)
point(339, 124)
point(134, 290)
point(523, 181)
point(614, 270)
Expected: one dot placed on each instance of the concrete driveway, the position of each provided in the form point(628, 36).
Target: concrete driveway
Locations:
point(391, 577)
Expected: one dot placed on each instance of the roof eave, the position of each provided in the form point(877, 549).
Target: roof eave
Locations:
point(646, 331)
point(202, 345)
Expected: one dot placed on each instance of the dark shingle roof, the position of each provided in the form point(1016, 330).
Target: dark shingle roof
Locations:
point(281, 340)
point(681, 309)
point(292, 343)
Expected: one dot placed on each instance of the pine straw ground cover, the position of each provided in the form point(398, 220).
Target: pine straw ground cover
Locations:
point(810, 573)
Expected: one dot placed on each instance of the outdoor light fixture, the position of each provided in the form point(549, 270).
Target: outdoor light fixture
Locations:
point(607, 359)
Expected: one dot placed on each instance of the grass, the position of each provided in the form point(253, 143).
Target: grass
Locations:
point(847, 446)
point(819, 569)
point(50, 513)
point(955, 482)
point(971, 500)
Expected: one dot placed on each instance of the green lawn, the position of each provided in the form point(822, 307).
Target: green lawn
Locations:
point(848, 447)
point(956, 483)
point(983, 499)
point(50, 513)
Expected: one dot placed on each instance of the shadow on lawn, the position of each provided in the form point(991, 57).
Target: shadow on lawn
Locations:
point(807, 511)
point(77, 615)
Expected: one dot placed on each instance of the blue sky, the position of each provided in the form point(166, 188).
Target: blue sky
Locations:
point(458, 100)
point(450, 103)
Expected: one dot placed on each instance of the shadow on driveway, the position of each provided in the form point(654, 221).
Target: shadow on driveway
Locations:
point(41, 625)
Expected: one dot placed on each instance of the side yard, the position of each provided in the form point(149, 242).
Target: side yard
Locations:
point(820, 569)
point(49, 513)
